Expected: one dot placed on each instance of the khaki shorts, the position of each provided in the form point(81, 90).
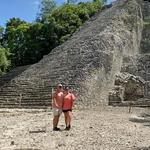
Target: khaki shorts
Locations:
point(57, 111)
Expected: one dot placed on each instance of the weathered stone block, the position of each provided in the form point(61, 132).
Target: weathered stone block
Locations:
point(130, 88)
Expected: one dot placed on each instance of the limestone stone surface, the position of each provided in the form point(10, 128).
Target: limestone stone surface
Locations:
point(114, 40)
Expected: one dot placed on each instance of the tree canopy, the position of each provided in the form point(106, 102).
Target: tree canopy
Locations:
point(4, 62)
point(26, 43)
point(45, 9)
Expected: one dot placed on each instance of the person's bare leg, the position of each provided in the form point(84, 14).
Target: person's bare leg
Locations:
point(66, 119)
point(69, 118)
point(55, 121)
point(68, 122)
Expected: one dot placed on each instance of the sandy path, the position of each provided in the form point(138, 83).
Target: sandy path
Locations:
point(109, 129)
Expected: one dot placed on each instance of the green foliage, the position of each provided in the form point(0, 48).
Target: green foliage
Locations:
point(28, 42)
point(69, 17)
point(90, 8)
point(67, 21)
point(1, 34)
point(15, 39)
point(46, 7)
point(40, 39)
point(4, 63)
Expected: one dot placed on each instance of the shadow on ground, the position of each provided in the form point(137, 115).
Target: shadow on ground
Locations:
point(143, 118)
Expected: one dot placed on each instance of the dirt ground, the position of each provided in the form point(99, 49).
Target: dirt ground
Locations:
point(109, 128)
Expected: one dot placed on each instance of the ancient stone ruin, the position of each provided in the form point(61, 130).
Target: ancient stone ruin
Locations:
point(107, 61)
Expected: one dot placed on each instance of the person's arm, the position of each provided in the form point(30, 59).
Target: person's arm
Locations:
point(54, 102)
point(72, 100)
point(52, 96)
point(73, 97)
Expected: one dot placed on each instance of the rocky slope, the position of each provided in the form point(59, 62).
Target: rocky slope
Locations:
point(113, 41)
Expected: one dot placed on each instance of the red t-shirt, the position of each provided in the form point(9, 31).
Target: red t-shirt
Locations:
point(68, 101)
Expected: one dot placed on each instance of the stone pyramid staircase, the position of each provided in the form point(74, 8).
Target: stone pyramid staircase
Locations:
point(22, 94)
point(87, 62)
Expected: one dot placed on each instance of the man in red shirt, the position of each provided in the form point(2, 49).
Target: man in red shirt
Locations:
point(57, 102)
point(67, 107)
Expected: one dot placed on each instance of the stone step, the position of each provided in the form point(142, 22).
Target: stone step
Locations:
point(9, 91)
point(13, 73)
point(139, 103)
point(34, 103)
point(25, 102)
point(27, 86)
point(25, 107)
point(25, 89)
point(25, 97)
point(26, 92)
point(9, 86)
point(8, 98)
point(36, 99)
point(8, 95)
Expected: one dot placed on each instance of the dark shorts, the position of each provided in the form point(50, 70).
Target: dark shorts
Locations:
point(67, 110)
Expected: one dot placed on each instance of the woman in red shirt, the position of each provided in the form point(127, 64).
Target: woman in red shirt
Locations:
point(67, 107)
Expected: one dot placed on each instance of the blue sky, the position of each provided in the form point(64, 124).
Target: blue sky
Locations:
point(23, 9)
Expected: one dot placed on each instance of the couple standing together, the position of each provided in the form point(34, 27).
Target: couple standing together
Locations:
point(62, 101)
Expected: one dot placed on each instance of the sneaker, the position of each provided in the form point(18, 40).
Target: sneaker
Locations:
point(56, 129)
point(68, 128)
